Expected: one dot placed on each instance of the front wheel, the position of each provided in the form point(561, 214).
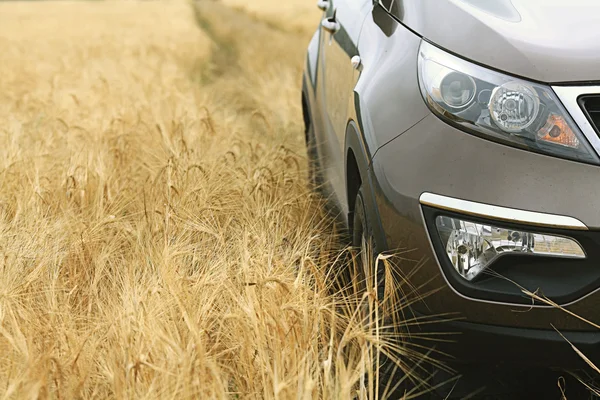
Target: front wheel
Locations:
point(314, 175)
point(383, 377)
point(364, 272)
point(399, 366)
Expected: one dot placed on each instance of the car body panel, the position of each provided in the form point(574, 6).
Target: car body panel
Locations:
point(538, 39)
point(457, 164)
point(403, 150)
point(356, 144)
point(450, 162)
point(386, 46)
point(334, 90)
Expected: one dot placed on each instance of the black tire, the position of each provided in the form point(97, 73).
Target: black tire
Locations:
point(362, 236)
point(363, 241)
point(392, 381)
point(314, 175)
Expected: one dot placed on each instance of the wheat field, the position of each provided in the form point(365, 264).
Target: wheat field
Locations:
point(294, 16)
point(158, 235)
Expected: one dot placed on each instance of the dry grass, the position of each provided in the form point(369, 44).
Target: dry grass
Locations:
point(158, 238)
point(293, 15)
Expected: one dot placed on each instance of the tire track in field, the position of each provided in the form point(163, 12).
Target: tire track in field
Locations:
point(255, 70)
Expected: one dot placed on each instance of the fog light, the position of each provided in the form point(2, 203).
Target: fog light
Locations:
point(472, 247)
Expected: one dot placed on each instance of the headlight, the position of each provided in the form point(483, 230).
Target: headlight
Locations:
point(499, 107)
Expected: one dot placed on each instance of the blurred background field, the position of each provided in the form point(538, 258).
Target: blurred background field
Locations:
point(158, 236)
point(293, 15)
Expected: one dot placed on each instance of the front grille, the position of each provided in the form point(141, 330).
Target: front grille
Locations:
point(590, 105)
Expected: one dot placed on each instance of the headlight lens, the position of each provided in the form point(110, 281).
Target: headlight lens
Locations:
point(472, 247)
point(499, 107)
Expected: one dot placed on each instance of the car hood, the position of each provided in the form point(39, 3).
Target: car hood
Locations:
point(547, 40)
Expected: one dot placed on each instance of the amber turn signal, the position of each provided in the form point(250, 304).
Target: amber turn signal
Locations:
point(557, 131)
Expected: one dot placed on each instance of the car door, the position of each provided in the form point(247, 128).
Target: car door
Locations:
point(340, 32)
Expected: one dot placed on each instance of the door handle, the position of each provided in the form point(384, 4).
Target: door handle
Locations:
point(356, 62)
point(330, 24)
point(323, 5)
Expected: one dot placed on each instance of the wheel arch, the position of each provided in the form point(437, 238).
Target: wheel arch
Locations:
point(305, 110)
point(358, 173)
point(357, 166)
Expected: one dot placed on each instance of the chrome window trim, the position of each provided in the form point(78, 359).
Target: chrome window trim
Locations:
point(568, 95)
point(499, 213)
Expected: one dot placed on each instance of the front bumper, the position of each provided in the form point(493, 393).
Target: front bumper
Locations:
point(434, 157)
point(499, 345)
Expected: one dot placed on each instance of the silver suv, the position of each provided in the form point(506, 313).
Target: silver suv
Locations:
point(468, 132)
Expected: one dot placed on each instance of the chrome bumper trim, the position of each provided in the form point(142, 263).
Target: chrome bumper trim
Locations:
point(501, 213)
